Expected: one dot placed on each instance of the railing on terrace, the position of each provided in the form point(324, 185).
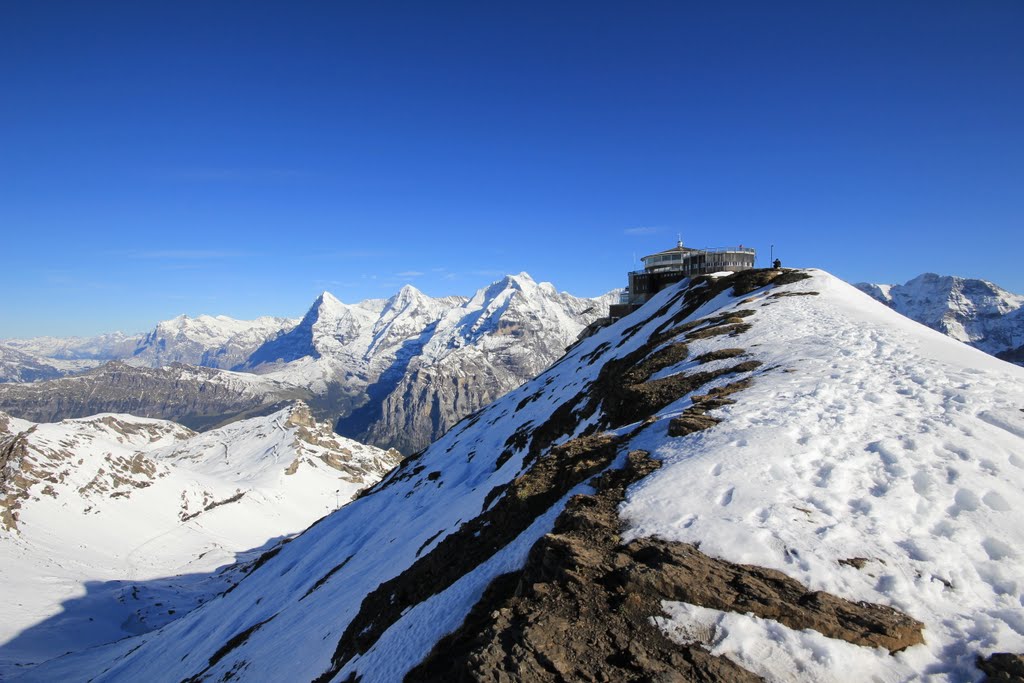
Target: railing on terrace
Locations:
point(716, 250)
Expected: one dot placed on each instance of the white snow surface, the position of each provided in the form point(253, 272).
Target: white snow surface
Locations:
point(863, 434)
point(131, 518)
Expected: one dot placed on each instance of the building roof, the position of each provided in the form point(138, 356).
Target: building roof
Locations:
point(678, 249)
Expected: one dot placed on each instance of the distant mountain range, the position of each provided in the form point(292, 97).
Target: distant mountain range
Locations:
point(395, 372)
point(973, 311)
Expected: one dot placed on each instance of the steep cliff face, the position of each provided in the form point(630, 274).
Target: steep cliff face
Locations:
point(473, 353)
point(400, 372)
point(93, 510)
point(973, 311)
point(761, 475)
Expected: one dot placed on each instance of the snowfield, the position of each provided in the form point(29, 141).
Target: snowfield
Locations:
point(870, 457)
point(125, 520)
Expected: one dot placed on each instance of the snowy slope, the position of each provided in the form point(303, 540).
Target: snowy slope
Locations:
point(120, 521)
point(975, 312)
point(839, 450)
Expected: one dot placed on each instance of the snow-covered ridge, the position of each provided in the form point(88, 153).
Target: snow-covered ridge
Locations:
point(800, 427)
point(152, 509)
point(976, 312)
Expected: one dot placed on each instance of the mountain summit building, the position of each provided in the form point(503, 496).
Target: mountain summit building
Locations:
point(672, 265)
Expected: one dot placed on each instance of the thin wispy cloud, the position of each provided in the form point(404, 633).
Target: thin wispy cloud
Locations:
point(409, 273)
point(643, 230)
point(69, 279)
point(182, 254)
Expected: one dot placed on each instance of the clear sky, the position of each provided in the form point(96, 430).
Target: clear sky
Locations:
point(237, 158)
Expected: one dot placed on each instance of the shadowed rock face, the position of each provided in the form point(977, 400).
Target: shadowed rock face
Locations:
point(1002, 666)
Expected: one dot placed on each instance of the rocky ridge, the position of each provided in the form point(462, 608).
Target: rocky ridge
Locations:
point(704, 490)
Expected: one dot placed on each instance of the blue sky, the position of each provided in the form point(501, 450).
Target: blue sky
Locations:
point(240, 157)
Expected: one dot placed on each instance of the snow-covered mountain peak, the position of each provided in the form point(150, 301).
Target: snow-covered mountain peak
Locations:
point(970, 310)
point(505, 287)
point(407, 299)
point(326, 303)
point(407, 291)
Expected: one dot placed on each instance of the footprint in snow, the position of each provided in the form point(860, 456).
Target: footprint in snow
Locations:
point(726, 497)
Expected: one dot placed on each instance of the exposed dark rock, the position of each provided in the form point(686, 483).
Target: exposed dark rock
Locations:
point(527, 497)
point(559, 620)
point(678, 571)
point(1002, 666)
point(719, 354)
point(689, 423)
point(581, 607)
point(714, 331)
point(855, 562)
